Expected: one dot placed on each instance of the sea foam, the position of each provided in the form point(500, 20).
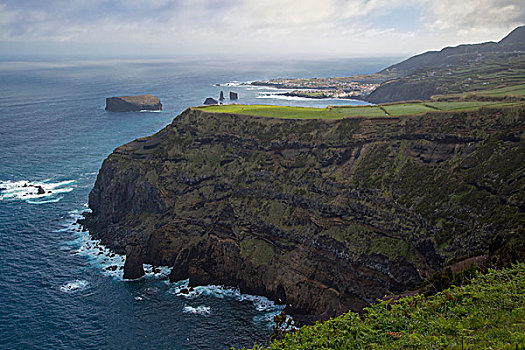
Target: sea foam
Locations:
point(261, 303)
point(112, 264)
point(28, 190)
point(199, 310)
point(74, 286)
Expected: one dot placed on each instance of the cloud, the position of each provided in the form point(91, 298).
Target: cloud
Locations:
point(469, 17)
point(343, 27)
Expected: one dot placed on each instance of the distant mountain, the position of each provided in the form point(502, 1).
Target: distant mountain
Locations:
point(512, 43)
point(457, 69)
point(517, 36)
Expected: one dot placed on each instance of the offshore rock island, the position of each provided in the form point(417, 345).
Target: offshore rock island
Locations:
point(133, 103)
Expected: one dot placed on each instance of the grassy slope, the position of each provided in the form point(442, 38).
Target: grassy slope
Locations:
point(500, 73)
point(488, 313)
point(287, 112)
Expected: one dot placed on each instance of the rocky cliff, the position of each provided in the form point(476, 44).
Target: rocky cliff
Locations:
point(133, 103)
point(324, 216)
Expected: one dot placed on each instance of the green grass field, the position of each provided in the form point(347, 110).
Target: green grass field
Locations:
point(401, 109)
point(515, 90)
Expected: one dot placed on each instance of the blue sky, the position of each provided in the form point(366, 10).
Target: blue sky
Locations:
point(250, 28)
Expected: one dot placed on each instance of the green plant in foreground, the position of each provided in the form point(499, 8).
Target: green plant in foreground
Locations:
point(488, 313)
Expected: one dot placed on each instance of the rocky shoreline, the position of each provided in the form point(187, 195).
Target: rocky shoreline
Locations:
point(324, 216)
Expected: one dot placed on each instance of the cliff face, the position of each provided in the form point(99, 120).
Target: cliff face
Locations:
point(325, 216)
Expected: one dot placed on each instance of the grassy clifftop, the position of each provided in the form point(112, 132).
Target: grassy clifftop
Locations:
point(457, 103)
point(488, 313)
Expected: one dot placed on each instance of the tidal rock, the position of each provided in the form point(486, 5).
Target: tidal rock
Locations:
point(133, 103)
point(184, 291)
point(234, 96)
point(40, 190)
point(133, 267)
point(211, 101)
point(221, 96)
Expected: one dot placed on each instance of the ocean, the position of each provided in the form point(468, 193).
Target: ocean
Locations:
point(58, 288)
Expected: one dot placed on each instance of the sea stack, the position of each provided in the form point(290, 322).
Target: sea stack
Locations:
point(221, 98)
point(133, 267)
point(211, 101)
point(133, 103)
point(234, 95)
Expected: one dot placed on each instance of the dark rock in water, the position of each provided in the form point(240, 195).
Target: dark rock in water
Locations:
point(184, 291)
point(211, 101)
point(40, 190)
point(133, 267)
point(112, 268)
point(25, 185)
point(221, 96)
point(133, 103)
point(234, 96)
point(3, 189)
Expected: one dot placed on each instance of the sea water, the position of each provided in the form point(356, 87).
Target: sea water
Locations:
point(59, 289)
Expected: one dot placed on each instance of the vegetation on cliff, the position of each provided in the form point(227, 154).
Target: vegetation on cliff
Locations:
point(487, 313)
point(323, 215)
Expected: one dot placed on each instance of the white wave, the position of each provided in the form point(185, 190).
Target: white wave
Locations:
point(28, 190)
point(112, 264)
point(284, 97)
point(235, 83)
point(55, 200)
point(98, 255)
point(74, 286)
point(261, 303)
point(199, 310)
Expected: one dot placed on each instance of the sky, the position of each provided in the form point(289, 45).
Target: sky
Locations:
point(250, 28)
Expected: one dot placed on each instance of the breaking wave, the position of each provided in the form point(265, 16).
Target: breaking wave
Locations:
point(37, 192)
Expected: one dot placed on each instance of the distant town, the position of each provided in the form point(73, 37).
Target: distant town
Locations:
point(321, 87)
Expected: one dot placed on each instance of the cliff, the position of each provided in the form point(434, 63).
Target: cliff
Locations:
point(133, 103)
point(323, 215)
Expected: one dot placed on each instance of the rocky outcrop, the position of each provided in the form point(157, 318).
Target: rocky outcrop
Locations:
point(323, 215)
point(40, 190)
point(133, 267)
point(133, 103)
point(221, 96)
point(210, 101)
point(234, 95)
